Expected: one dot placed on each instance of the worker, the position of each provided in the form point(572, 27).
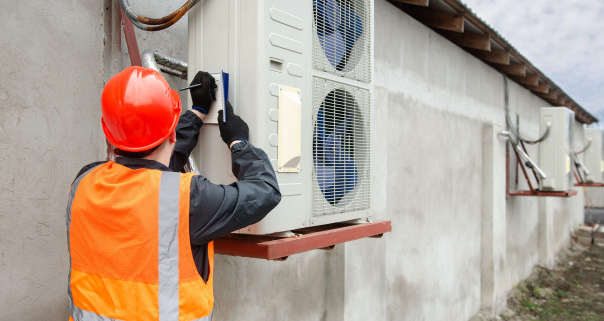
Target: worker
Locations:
point(140, 232)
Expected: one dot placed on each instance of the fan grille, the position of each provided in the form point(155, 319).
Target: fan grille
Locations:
point(341, 148)
point(341, 32)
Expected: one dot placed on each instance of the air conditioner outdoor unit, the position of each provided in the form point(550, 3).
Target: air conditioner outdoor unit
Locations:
point(593, 155)
point(301, 75)
point(554, 157)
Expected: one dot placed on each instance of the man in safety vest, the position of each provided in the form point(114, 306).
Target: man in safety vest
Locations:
point(139, 231)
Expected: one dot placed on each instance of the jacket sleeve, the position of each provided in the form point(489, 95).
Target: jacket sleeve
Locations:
point(187, 133)
point(216, 210)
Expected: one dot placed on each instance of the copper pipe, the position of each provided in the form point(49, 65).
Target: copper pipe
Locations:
point(155, 24)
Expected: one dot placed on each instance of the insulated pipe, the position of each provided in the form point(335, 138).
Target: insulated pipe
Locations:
point(507, 135)
point(151, 24)
point(508, 120)
point(150, 60)
point(584, 148)
point(154, 60)
point(173, 64)
point(527, 159)
point(542, 138)
point(580, 163)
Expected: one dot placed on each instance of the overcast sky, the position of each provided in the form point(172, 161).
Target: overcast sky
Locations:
point(564, 39)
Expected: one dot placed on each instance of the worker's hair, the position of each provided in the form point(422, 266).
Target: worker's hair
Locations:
point(141, 154)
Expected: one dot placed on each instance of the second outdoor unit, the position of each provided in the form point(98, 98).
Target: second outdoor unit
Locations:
point(554, 151)
point(301, 75)
point(593, 155)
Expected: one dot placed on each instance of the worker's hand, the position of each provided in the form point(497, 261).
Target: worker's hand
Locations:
point(234, 128)
point(203, 95)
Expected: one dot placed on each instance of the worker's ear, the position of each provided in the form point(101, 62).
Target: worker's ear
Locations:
point(172, 137)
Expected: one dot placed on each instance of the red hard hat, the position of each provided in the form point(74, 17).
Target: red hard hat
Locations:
point(139, 109)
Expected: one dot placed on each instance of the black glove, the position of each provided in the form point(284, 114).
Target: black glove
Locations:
point(234, 128)
point(203, 95)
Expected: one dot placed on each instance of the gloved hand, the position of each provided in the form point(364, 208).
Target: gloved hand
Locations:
point(234, 128)
point(203, 95)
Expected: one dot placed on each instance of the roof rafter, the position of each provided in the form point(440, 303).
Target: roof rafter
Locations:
point(438, 19)
point(541, 88)
point(469, 40)
point(495, 56)
point(423, 3)
point(551, 95)
point(513, 69)
point(527, 80)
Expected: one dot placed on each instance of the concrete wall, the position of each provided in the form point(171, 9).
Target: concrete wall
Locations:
point(596, 197)
point(458, 243)
point(52, 77)
point(56, 57)
point(427, 77)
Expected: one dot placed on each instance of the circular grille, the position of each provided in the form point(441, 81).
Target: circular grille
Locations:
point(339, 147)
point(340, 27)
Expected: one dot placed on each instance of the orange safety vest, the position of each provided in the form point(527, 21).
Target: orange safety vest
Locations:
point(130, 249)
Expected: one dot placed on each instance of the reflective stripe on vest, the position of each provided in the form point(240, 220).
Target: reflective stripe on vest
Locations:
point(168, 246)
point(170, 286)
point(83, 315)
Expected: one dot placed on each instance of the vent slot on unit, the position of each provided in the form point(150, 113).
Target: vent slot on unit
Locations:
point(341, 149)
point(341, 43)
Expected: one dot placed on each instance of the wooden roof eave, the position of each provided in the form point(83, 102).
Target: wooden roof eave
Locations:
point(450, 24)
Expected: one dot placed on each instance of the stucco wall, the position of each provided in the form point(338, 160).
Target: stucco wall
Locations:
point(596, 196)
point(458, 244)
point(429, 78)
point(52, 75)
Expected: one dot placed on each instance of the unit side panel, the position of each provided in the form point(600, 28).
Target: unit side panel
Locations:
point(554, 157)
point(284, 43)
point(593, 154)
point(208, 51)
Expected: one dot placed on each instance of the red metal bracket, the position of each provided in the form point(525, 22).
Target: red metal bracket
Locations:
point(590, 184)
point(320, 237)
point(542, 193)
point(135, 56)
point(581, 183)
point(532, 191)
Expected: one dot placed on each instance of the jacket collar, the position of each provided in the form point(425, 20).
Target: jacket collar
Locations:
point(138, 163)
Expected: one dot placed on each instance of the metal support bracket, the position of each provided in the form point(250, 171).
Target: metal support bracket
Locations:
point(590, 184)
point(543, 193)
point(279, 248)
point(135, 57)
point(520, 156)
point(580, 181)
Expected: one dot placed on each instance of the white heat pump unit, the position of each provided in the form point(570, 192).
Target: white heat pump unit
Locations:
point(593, 155)
point(301, 75)
point(554, 151)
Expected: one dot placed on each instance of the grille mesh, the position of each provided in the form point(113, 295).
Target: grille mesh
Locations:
point(341, 32)
point(341, 149)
